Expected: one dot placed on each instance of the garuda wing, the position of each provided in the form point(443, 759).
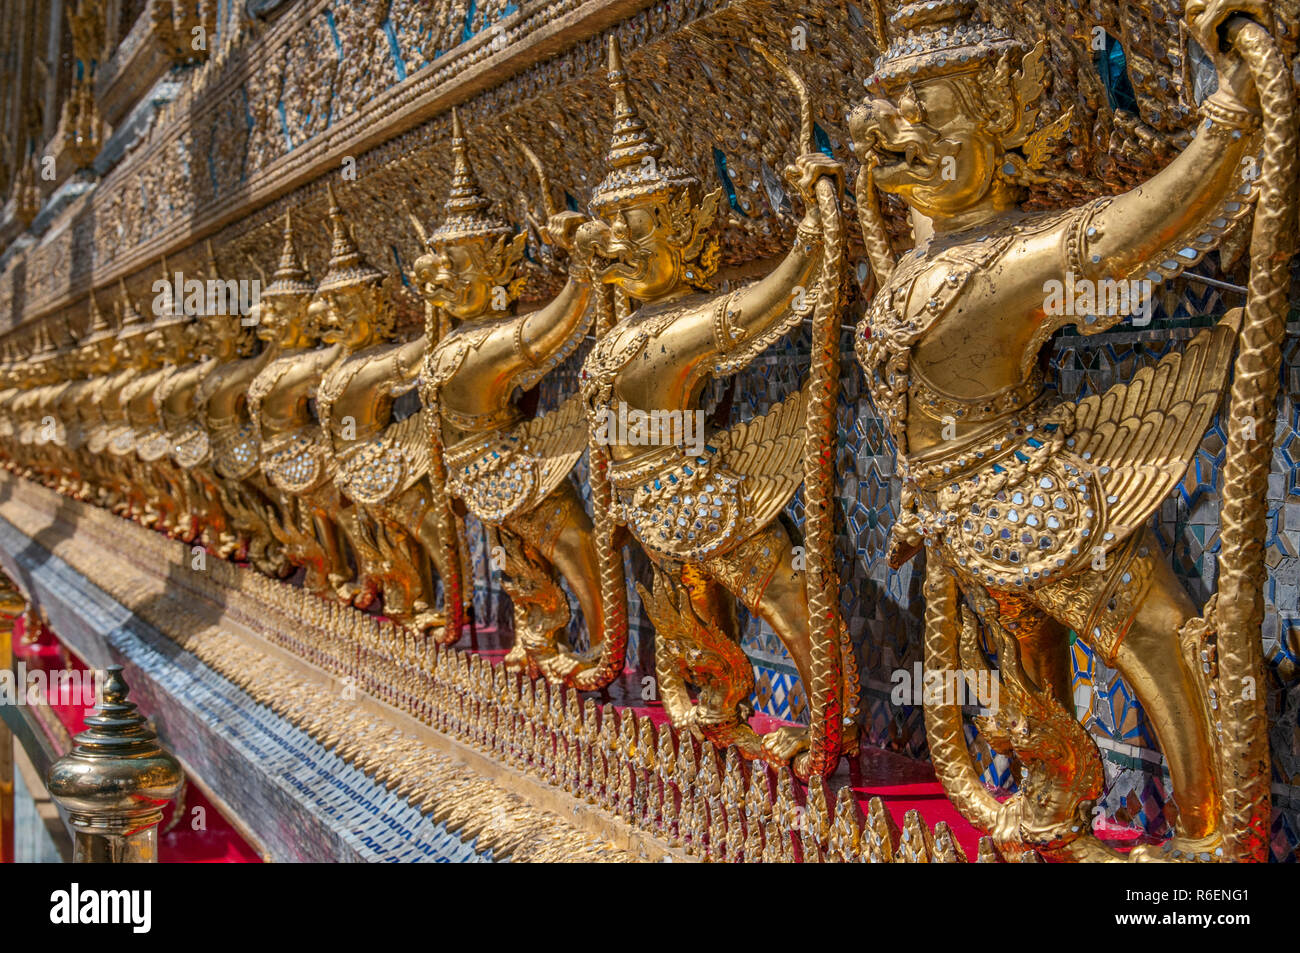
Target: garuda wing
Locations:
point(690, 506)
point(556, 441)
point(1140, 436)
point(1086, 475)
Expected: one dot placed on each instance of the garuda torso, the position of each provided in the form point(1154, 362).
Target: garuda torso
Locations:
point(141, 399)
point(499, 463)
point(54, 407)
point(102, 410)
point(294, 449)
point(118, 434)
point(69, 405)
point(26, 413)
point(178, 406)
point(28, 406)
point(1033, 486)
point(384, 458)
point(684, 505)
point(8, 430)
point(222, 399)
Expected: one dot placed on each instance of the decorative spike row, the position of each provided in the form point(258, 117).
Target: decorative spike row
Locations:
point(714, 805)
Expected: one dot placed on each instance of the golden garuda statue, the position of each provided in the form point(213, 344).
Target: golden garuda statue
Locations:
point(707, 508)
point(116, 442)
point(53, 412)
point(181, 413)
point(93, 409)
point(508, 470)
point(292, 451)
point(29, 408)
point(168, 348)
point(380, 464)
point(221, 406)
point(1036, 510)
point(97, 362)
point(12, 373)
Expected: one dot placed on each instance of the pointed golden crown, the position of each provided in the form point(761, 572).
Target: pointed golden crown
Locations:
point(44, 348)
point(176, 313)
point(468, 212)
point(938, 38)
point(210, 269)
point(291, 277)
point(69, 340)
point(99, 328)
point(635, 169)
point(133, 321)
point(347, 266)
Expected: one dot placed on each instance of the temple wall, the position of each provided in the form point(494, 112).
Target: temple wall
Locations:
point(358, 95)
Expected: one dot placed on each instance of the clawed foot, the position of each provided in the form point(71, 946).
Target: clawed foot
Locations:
point(561, 667)
point(516, 659)
point(316, 581)
point(1186, 850)
point(789, 742)
point(230, 546)
point(366, 594)
point(350, 592)
point(272, 564)
point(432, 624)
point(784, 743)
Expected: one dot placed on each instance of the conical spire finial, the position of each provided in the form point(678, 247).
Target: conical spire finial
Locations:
point(99, 327)
point(636, 169)
point(291, 277)
point(347, 266)
point(97, 320)
point(632, 141)
point(133, 321)
point(70, 336)
point(43, 349)
point(459, 146)
point(467, 212)
point(117, 777)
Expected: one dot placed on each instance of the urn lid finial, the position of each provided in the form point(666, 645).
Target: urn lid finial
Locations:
point(117, 774)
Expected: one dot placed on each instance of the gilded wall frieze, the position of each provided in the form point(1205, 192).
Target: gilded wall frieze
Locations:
point(250, 124)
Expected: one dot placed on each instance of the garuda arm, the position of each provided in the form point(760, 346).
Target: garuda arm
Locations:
point(518, 352)
point(749, 320)
point(1157, 230)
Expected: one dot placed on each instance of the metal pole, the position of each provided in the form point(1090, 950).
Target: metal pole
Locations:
point(6, 793)
point(11, 603)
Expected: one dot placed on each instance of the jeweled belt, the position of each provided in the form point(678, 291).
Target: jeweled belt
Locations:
point(121, 441)
point(190, 445)
point(931, 469)
point(152, 445)
point(679, 504)
point(235, 451)
point(373, 471)
point(294, 462)
point(491, 475)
